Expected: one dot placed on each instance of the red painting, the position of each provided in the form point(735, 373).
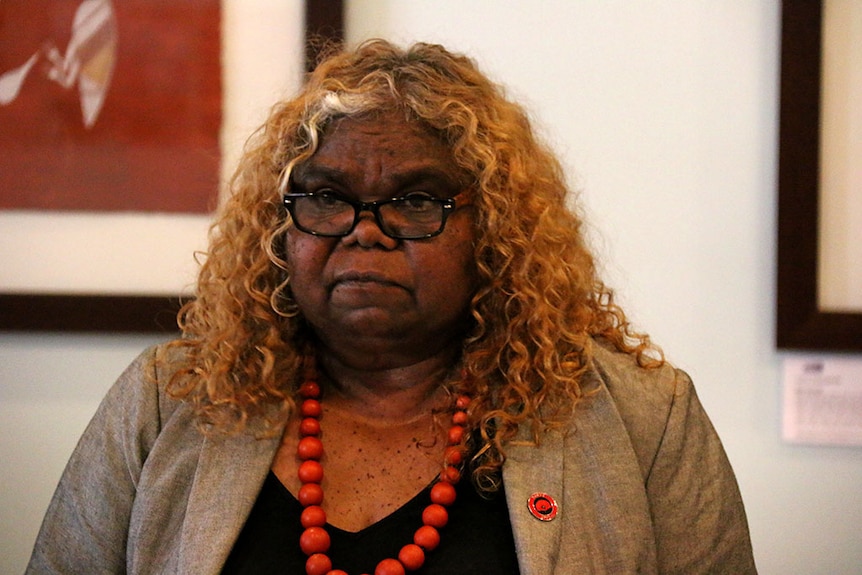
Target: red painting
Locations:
point(110, 105)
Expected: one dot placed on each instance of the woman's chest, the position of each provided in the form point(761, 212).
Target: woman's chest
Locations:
point(369, 471)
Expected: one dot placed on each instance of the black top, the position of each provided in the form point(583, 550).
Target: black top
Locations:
point(477, 539)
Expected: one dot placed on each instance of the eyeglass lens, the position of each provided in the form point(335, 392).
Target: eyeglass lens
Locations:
point(405, 218)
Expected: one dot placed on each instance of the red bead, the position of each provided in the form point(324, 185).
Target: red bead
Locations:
point(309, 426)
point(411, 556)
point(314, 540)
point(318, 564)
point(313, 516)
point(310, 471)
point(310, 494)
point(452, 455)
point(451, 474)
point(389, 567)
point(456, 434)
point(443, 493)
point(427, 537)
point(309, 389)
point(309, 448)
point(435, 515)
point(310, 408)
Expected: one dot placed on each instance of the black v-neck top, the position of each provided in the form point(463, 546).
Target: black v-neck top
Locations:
point(477, 540)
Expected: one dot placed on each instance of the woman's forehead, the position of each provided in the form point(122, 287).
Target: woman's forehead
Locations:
point(382, 141)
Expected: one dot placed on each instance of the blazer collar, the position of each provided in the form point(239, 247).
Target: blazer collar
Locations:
point(529, 471)
point(232, 469)
point(230, 473)
point(590, 469)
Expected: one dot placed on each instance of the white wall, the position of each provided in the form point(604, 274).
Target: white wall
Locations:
point(665, 112)
point(50, 385)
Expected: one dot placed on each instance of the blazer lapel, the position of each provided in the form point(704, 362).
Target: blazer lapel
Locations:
point(590, 469)
point(229, 476)
point(528, 471)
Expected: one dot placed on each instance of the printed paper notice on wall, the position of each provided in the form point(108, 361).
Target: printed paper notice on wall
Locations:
point(822, 401)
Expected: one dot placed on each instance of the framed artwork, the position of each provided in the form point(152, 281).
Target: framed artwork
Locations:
point(819, 291)
point(111, 152)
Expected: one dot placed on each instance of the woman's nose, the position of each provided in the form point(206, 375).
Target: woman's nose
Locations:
point(367, 233)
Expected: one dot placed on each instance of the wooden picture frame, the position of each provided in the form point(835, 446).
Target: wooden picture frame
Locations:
point(138, 313)
point(801, 323)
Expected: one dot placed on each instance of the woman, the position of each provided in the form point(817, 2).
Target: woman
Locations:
point(400, 357)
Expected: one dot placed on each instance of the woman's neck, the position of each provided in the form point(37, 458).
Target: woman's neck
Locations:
point(394, 393)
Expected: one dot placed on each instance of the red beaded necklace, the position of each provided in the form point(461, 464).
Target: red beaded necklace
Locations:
point(315, 541)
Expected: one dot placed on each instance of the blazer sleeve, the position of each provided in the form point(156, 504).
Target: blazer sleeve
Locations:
point(698, 515)
point(86, 526)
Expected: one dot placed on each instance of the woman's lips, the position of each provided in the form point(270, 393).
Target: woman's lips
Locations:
point(365, 287)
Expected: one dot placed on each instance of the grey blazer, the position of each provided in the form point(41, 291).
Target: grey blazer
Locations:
point(640, 477)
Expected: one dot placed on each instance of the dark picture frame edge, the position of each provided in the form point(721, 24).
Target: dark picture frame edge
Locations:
point(89, 313)
point(133, 313)
point(800, 323)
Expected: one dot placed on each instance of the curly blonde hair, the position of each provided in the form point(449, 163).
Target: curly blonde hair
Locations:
point(540, 303)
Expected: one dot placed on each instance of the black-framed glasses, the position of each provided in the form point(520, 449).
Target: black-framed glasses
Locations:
point(412, 217)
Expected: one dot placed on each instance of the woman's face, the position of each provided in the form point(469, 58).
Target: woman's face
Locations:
point(367, 296)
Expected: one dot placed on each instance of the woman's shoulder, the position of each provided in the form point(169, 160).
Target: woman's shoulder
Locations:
point(643, 397)
point(143, 385)
point(628, 382)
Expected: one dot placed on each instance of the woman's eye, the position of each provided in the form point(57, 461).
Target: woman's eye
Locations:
point(325, 199)
point(418, 201)
point(325, 194)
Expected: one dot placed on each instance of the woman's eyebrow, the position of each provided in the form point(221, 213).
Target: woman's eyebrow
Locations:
point(321, 173)
point(425, 175)
point(409, 177)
